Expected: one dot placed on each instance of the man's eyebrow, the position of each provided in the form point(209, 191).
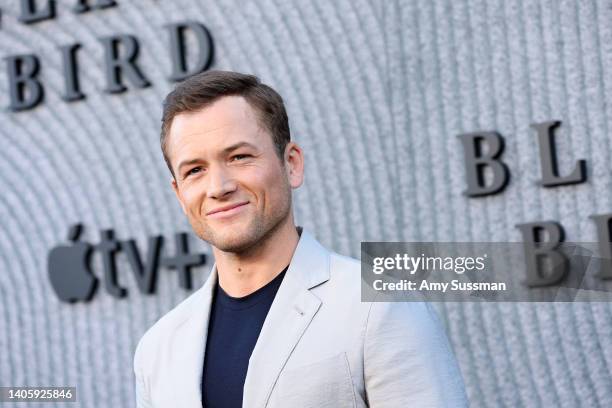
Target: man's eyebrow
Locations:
point(237, 146)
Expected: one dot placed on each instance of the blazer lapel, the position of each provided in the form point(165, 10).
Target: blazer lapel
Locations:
point(291, 312)
point(188, 347)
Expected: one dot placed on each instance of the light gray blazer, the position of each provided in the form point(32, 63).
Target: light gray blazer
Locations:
point(320, 346)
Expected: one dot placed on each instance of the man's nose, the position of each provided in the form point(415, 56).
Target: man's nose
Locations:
point(221, 182)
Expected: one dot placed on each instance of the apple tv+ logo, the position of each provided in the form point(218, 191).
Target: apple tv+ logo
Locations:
point(70, 274)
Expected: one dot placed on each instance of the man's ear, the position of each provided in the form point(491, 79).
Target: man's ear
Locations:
point(175, 188)
point(294, 164)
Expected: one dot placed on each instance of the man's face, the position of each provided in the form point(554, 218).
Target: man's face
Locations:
point(228, 178)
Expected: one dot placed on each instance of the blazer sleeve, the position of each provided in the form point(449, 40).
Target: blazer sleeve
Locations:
point(408, 361)
point(142, 393)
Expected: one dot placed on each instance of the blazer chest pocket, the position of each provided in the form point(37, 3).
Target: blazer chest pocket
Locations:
point(323, 384)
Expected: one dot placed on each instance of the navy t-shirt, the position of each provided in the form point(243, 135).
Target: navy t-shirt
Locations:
point(233, 330)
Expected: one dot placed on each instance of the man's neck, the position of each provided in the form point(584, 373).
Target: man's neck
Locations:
point(242, 274)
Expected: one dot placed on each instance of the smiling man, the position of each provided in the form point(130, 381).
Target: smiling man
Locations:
point(279, 321)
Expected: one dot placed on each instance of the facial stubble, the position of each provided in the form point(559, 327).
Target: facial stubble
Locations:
point(256, 231)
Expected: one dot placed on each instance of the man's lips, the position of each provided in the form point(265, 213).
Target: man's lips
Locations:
point(225, 208)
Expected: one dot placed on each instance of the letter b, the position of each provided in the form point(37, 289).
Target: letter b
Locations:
point(25, 90)
point(536, 250)
point(476, 161)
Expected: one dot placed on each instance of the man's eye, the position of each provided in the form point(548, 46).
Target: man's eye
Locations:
point(193, 171)
point(240, 156)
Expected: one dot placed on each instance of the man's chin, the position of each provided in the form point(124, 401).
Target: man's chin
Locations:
point(233, 241)
point(233, 245)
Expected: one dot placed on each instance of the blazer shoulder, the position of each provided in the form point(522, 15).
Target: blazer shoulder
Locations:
point(342, 266)
point(164, 327)
point(343, 289)
point(344, 261)
point(345, 275)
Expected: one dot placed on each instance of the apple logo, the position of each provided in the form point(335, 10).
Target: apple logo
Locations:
point(69, 270)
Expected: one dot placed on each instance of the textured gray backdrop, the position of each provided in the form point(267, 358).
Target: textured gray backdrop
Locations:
point(376, 93)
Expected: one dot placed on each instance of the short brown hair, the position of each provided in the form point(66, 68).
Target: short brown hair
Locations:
point(201, 90)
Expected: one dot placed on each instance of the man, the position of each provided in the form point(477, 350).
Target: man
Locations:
point(279, 321)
